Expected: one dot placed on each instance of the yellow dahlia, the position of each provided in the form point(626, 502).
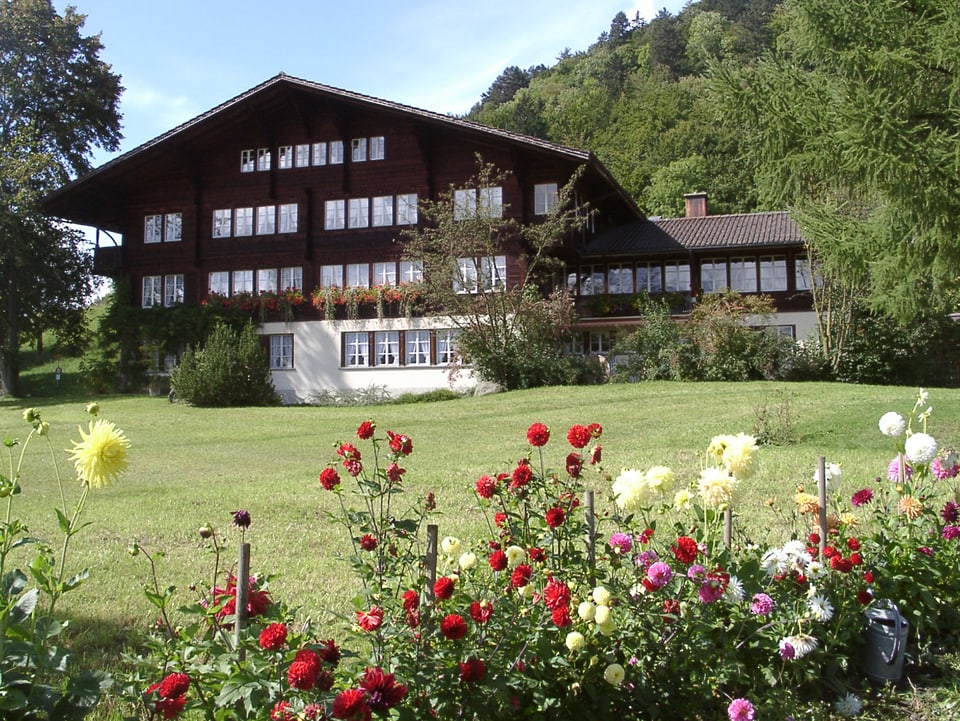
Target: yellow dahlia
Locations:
point(716, 488)
point(910, 507)
point(101, 454)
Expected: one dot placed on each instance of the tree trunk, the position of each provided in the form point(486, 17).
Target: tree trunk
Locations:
point(10, 362)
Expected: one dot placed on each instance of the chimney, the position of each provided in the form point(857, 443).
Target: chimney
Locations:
point(696, 204)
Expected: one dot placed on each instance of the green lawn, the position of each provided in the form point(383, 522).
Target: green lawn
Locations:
point(192, 466)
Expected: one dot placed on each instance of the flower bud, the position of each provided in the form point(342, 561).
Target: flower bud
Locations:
point(205, 531)
point(134, 549)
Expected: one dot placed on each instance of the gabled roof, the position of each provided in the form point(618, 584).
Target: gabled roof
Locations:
point(282, 83)
point(712, 232)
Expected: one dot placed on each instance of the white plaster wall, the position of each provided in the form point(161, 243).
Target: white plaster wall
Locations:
point(316, 361)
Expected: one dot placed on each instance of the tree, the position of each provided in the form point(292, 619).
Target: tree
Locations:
point(853, 121)
point(58, 101)
point(509, 332)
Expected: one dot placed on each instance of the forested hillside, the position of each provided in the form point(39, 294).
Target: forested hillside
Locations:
point(638, 98)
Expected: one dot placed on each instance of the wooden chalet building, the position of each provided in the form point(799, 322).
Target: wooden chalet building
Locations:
point(295, 186)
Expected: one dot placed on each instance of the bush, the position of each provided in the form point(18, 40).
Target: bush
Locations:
point(232, 369)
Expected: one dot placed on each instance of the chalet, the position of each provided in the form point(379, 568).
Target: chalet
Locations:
point(294, 188)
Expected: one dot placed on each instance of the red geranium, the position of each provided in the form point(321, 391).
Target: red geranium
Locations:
point(538, 435)
point(443, 588)
point(555, 517)
point(329, 479)
point(481, 611)
point(498, 560)
point(453, 627)
point(370, 620)
point(382, 690)
point(366, 429)
point(579, 436)
point(400, 443)
point(368, 542)
point(472, 670)
point(520, 576)
point(486, 487)
point(273, 637)
point(685, 550)
point(351, 705)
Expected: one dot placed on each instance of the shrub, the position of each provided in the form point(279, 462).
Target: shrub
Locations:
point(232, 369)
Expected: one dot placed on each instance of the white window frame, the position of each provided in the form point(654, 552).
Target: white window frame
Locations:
point(411, 271)
point(387, 344)
point(266, 280)
point(302, 155)
point(385, 273)
point(358, 275)
point(263, 159)
point(153, 228)
point(545, 197)
point(743, 274)
point(222, 223)
point(377, 148)
point(318, 155)
point(218, 282)
point(285, 157)
point(802, 273)
point(446, 346)
point(491, 200)
point(243, 221)
point(358, 150)
point(241, 282)
point(152, 295)
point(248, 160)
point(466, 276)
point(676, 277)
point(291, 278)
point(713, 274)
point(620, 279)
point(382, 207)
point(773, 273)
point(281, 351)
point(464, 203)
point(407, 205)
point(173, 289)
point(173, 227)
point(331, 276)
point(336, 152)
point(334, 215)
point(266, 219)
point(287, 214)
point(493, 272)
point(356, 349)
point(358, 213)
point(599, 341)
point(417, 347)
point(651, 275)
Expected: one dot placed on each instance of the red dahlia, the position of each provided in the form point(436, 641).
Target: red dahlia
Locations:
point(481, 611)
point(453, 627)
point(175, 684)
point(521, 475)
point(561, 617)
point(366, 429)
point(685, 550)
point(329, 479)
point(302, 675)
point(498, 560)
point(574, 465)
point(273, 637)
point(382, 690)
point(400, 443)
point(472, 670)
point(443, 588)
point(556, 595)
point(395, 473)
point(486, 487)
point(370, 620)
point(579, 436)
point(368, 542)
point(520, 576)
point(351, 705)
point(555, 517)
point(281, 712)
point(538, 435)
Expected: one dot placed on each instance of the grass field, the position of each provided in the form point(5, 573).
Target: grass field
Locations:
point(192, 466)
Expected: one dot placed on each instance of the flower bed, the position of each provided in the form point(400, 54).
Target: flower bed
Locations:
point(654, 605)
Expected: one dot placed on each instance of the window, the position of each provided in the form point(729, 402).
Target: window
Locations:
point(248, 161)
point(288, 218)
point(677, 277)
point(266, 219)
point(544, 198)
point(263, 159)
point(713, 275)
point(267, 280)
point(173, 227)
point(244, 221)
point(465, 280)
point(281, 351)
point(291, 278)
point(152, 291)
point(773, 273)
point(285, 156)
point(242, 281)
point(417, 347)
point(359, 212)
point(649, 278)
point(384, 273)
point(173, 289)
point(376, 148)
point(336, 152)
point(599, 342)
point(411, 271)
point(491, 200)
point(388, 347)
point(302, 156)
point(331, 276)
point(222, 220)
point(407, 209)
point(464, 204)
point(319, 156)
point(334, 214)
point(620, 279)
point(153, 229)
point(356, 350)
point(219, 283)
point(358, 275)
point(493, 271)
point(801, 274)
point(591, 280)
point(446, 346)
point(358, 150)
point(743, 274)
point(383, 210)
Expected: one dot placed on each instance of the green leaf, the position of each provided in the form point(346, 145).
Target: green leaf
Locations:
point(63, 521)
point(25, 606)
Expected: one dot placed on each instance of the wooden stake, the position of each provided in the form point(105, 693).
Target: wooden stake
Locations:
point(243, 595)
point(822, 500)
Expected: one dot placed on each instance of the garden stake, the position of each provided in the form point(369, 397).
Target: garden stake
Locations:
point(822, 498)
point(430, 561)
point(590, 519)
point(243, 594)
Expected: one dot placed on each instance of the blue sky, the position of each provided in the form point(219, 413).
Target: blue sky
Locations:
point(179, 58)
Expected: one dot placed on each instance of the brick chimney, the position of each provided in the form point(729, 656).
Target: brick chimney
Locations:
point(696, 204)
